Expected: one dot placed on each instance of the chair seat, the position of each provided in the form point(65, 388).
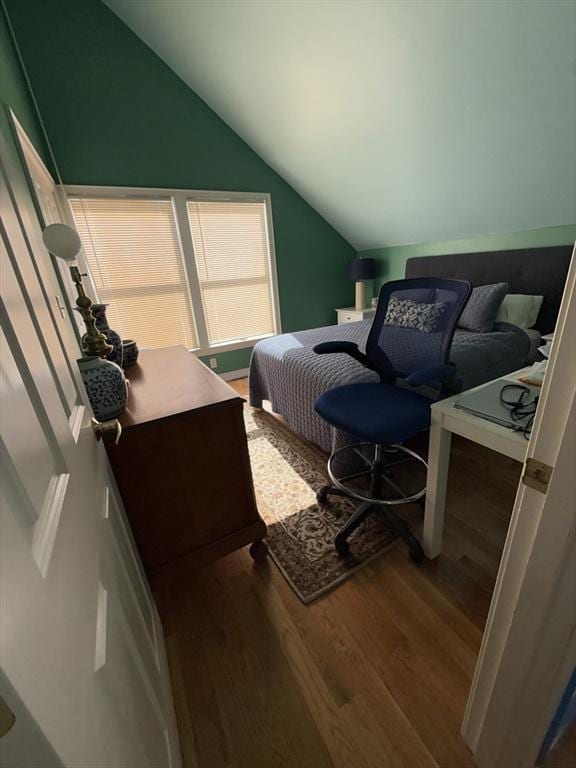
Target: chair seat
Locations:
point(378, 413)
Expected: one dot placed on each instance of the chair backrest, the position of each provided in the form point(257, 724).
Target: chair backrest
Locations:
point(414, 324)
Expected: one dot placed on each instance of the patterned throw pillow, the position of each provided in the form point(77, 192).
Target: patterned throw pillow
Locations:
point(405, 313)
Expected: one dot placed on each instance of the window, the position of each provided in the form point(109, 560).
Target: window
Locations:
point(231, 250)
point(134, 256)
point(180, 268)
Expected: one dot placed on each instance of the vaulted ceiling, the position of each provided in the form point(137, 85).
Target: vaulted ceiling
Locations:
point(400, 121)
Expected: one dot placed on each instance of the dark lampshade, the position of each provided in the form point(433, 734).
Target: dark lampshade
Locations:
point(362, 269)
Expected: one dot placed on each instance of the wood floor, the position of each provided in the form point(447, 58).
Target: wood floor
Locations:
point(373, 675)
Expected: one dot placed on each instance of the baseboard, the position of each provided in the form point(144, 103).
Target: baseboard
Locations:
point(241, 373)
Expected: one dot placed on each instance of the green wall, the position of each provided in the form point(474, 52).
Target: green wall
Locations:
point(117, 115)
point(392, 260)
point(14, 94)
point(235, 360)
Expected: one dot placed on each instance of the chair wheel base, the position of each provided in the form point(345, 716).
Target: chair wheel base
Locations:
point(322, 496)
point(342, 548)
point(416, 552)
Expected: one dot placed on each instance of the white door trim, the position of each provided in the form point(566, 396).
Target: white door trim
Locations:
point(35, 170)
point(529, 646)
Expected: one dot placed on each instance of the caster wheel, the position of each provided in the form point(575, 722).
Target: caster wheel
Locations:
point(259, 550)
point(322, 496)
point(416, 553)
point(342, 548)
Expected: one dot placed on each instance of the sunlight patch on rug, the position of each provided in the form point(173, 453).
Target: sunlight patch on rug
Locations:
point(287, 474)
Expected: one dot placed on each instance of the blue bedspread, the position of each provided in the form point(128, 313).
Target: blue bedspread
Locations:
point(285, 371)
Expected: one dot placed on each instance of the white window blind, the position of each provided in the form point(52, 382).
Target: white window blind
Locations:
point(231, 250)
point(133, 250)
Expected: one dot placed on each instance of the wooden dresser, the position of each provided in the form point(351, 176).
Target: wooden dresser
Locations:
point(182, 463)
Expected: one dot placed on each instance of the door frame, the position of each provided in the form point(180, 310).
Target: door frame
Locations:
point(29, 155)
point(528, 648)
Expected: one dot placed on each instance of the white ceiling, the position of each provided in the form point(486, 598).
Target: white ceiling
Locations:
point(400, 121)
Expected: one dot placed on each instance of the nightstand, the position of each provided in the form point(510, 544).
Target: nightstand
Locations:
point(352, 315)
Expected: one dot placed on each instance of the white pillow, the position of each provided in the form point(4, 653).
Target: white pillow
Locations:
point(520, 309)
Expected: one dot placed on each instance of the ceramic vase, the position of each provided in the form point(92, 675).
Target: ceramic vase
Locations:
point(99, 314)
point(106, 386)
point(129, 353)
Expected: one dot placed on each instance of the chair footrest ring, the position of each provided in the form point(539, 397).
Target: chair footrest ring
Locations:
point(339, 482)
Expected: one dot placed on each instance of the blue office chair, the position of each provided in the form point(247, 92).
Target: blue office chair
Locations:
point(408, 347)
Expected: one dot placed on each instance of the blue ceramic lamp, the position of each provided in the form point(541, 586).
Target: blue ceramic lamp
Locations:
point(361, 270)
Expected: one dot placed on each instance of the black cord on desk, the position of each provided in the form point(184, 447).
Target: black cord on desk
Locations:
point(516, 397)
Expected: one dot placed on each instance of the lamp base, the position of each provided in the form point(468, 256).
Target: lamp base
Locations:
point(360, 295)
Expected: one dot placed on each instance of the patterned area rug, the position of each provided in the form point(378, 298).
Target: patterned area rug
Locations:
point(287, 473)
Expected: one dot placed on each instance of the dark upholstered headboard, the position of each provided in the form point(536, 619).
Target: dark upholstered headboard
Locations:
point(538, 271)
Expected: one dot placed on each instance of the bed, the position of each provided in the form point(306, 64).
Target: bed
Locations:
point(285, 371)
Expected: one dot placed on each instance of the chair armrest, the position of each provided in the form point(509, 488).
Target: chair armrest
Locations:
point(327, 347)
point(427, 375)
point(347, 347)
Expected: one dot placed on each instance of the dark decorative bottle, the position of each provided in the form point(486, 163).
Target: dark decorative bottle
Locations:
point(99, 313)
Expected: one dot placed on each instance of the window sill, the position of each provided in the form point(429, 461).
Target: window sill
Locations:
point(230, 346)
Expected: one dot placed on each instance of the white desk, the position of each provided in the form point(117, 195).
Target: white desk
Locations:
point(447, 420)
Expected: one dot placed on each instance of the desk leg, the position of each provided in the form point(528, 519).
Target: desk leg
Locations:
point(437, 480)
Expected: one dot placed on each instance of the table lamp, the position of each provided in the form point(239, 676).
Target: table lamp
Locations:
point(361, 270)
point(64, 242)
